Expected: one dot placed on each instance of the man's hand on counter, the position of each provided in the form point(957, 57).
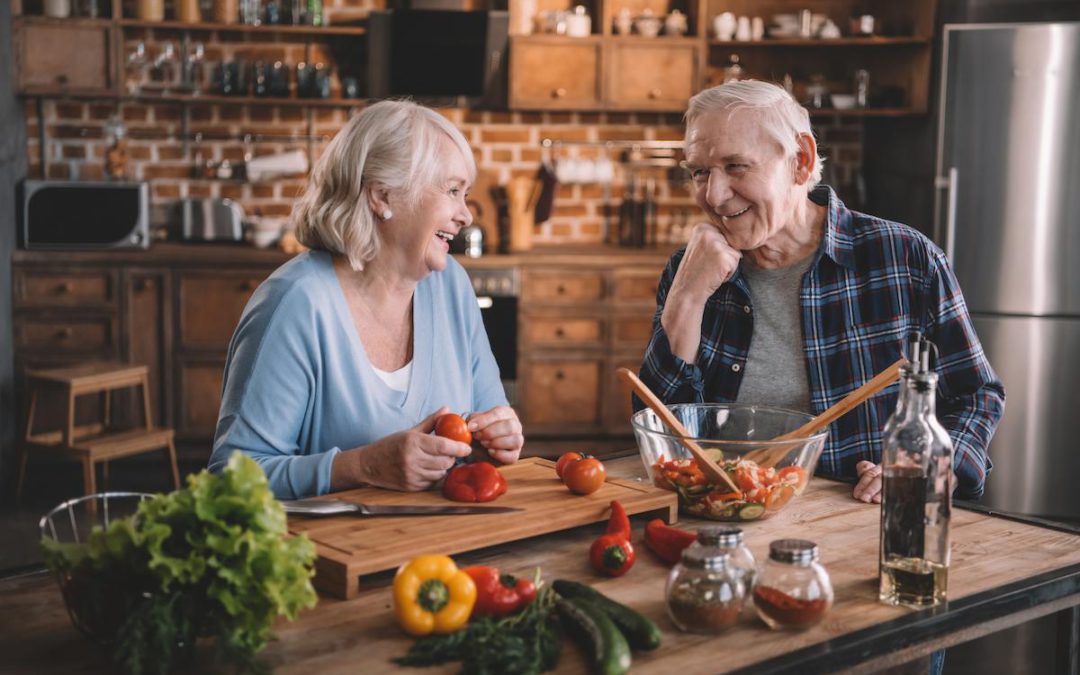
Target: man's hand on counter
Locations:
point(868, 489)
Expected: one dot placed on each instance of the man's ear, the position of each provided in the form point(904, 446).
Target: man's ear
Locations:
point(805, 158)
point(378, 199)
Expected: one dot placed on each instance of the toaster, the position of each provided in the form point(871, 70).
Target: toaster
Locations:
point(211, 220)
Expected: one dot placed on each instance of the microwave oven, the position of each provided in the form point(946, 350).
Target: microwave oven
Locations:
point(80, 215)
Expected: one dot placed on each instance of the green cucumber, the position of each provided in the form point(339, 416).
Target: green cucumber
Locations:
point(751, 511)
point(639, 630)
point(609, 653)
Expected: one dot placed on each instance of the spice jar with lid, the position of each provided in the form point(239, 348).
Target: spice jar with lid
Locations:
point(730, 540)
point(705, 592)
point(792, 589)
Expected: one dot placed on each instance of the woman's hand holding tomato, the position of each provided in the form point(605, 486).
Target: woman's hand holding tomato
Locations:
point(583, 475)
point(499, 431)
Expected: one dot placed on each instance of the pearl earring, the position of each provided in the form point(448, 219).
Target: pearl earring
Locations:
point(387, 214)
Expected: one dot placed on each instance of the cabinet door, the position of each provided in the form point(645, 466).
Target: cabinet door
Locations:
point(563, 392)
point(652, 75)
point(209, 307)
point(64, 57)
point(617, 394)
point(199, 384)
point(554, 73)
point(146, 339)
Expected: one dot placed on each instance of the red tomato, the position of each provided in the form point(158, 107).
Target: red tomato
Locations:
point(453, 427)
point(584, 476)
point(778, 496)
point(567, 458)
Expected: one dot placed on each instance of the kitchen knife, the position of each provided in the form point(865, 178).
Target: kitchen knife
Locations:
point(333, 507)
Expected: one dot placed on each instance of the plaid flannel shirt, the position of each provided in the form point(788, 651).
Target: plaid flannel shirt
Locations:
point(871, 283)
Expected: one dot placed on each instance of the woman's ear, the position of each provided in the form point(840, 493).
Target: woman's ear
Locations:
point(379, 201)
point(805, 158)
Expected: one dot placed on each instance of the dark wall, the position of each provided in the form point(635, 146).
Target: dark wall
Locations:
point(899, 155)
point(12, 169)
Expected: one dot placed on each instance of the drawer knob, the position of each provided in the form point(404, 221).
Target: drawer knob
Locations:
point(63, 334)
point(559, 332)
point(654, 93)
point(247, 285)
point(560, 289)
point(559, 93)
point(64, 287)
point(559, 375)
point(142, 285)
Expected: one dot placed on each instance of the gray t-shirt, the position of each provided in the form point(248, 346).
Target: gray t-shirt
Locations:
point(775, 372)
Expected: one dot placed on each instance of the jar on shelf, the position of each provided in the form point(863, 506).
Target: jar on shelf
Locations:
point(792, 589)
point(705, 592)
point(730, 540)
point(188, 11)
point(226, 11)
point(150, 10)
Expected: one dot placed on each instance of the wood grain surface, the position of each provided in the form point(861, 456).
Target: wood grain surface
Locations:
point(351, 546)
point(361, 636)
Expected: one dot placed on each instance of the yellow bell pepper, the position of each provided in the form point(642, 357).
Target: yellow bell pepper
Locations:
point(431, 595)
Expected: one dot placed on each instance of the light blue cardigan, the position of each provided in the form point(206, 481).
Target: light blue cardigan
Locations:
point(299, 388)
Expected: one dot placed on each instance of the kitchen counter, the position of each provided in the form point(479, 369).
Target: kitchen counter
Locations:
point(171, 254)
point(1003, 573)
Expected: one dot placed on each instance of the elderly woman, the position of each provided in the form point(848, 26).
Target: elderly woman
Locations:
point(346, 355)
point(785, 297)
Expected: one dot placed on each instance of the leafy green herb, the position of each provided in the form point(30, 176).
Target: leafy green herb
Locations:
point(209, 560)
point(528, 642)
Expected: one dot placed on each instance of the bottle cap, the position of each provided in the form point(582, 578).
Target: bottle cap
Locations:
point(724, 536)
point(797, 551)
point(705, 558)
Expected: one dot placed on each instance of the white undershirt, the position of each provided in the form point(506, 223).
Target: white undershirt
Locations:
point(397, 380)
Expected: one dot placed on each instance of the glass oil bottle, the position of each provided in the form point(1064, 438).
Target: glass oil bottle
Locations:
point(917, 485)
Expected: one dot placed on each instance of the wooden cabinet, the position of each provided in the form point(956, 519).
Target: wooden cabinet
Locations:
point(63, 56)
point(555, 74)
point(209, 305)
point(648, 74)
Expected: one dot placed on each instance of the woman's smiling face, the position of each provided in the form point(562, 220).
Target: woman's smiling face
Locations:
point(742, 178)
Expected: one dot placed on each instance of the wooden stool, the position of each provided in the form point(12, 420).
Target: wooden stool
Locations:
point(92, 443)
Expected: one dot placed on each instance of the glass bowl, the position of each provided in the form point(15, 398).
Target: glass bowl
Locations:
point(736, 437)
point(71, 522)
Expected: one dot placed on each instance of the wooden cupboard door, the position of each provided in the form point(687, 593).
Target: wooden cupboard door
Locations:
point(652, 75)
point(63, 57)
point(563, 392)
point(200, 398)
point(562, 331)
point(562, 287)
point(632, 331)
point(547, 73)
point(210, 306)
point(147, 341)
point(636, 286)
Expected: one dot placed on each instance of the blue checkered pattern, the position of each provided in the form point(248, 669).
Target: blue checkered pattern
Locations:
point(872, 283)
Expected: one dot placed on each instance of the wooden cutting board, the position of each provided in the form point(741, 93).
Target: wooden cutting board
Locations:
point(352, 546)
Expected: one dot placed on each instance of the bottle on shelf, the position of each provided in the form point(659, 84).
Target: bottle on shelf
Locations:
point(917, 484)
point(314, 12)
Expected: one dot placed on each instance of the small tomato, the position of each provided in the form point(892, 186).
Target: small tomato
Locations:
point(584, 476)
point(454, 427)
point(567, 458)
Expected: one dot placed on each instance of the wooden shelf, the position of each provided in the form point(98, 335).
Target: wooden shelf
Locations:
point(281, 29)
point(211, 99)
point(874, 41)
point(70, 21)
point(865, 112)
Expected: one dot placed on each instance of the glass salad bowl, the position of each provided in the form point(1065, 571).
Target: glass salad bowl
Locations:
point(769, 475)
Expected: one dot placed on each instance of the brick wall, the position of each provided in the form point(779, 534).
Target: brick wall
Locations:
point(507, 144)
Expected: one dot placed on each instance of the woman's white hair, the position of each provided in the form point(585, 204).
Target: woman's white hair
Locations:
point(391, 145)
point(776, 111)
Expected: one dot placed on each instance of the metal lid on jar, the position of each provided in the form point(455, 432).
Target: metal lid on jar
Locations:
point(705, 558)
point(793, 551)
point(724, 536)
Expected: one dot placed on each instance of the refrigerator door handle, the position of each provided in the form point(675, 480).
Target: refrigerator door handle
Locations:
point(948, 183)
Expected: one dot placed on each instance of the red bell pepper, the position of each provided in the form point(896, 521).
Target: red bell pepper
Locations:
point(499, 595)
point(476, 482)
point(612, 553)
point(667, 542)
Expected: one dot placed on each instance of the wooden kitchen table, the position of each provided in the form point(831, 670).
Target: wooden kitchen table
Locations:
point(1004, 572)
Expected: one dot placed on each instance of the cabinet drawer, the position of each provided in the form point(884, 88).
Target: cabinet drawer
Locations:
point(63, 55)
point(563, 392)
point(70, 336)
point(554, 74)
point(561, 287)
point(66, 289)
point(556, 331)
point(210, 307)
point(652, 76)
point(636, 286)
point(632, 332)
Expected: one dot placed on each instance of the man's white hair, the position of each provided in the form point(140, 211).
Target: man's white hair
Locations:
point(775, 110)
point(392, 145)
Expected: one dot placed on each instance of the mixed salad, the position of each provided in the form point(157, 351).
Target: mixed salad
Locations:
point(761, 489)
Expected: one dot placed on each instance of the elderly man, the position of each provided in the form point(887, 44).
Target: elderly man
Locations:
point(787, 298)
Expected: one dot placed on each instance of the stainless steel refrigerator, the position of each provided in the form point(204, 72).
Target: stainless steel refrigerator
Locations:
point(1008, 215)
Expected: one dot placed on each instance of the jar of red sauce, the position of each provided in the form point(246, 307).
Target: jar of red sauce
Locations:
point(792, 589)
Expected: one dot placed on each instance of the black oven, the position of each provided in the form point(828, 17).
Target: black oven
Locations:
point(497, 293)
